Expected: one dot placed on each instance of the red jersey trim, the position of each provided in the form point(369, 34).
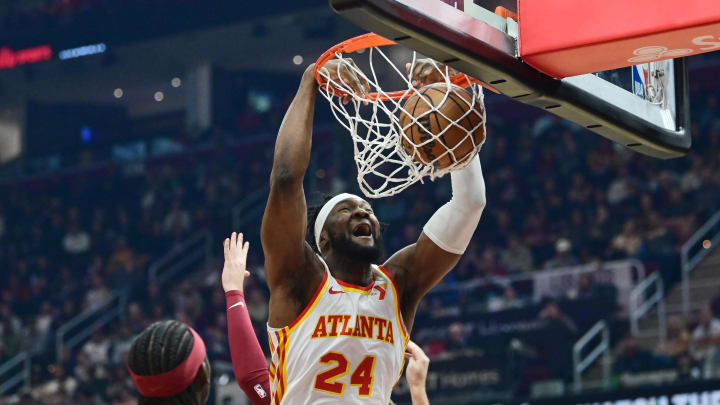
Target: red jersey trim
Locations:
point(397, 301)
point(355, 287)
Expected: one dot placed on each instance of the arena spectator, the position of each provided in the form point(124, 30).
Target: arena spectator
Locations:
point(517, 257)
point(508, 300)
point(76, 241)
point(677, 340)
point(121, 343)
point(628, 242)
point(588, 289)
point(580, 191)
point(457, 338)
point(177, 219)
point(135, 317)
point(122, 255)
point(557, 330)
point(599, 228)
point(489, 266)
point(621, 188)
point(632, 358)
point(97, 349)
point(56, 389)
point(687, 368)
point(563, 255)
point(188, 300)
point(658, 241)
point(13, 340)
point(44, 320)
point(98, 295)
point(705, 340)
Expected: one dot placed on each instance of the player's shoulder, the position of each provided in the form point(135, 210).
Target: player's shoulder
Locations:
point(395, 272)
point(383, 274)
point(400, 263)
point(301, 279)
point(313, 272)
point(291, 296)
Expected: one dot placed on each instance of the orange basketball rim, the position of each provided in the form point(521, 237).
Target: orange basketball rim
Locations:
point(372, 40)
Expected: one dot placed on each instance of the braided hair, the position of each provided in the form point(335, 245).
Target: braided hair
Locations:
point(161, 347)
point(312, 214)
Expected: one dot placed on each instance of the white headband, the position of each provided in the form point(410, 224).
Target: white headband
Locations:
point(325, 211)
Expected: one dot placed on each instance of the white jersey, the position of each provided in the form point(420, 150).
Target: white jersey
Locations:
point(346, 347)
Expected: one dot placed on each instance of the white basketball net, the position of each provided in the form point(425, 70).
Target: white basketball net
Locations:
point(384, 167)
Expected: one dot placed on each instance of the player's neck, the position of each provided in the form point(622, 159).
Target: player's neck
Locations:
point(349, 270)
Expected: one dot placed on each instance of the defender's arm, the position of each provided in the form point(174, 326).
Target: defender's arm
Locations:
point(251, 371)
point(416, 374)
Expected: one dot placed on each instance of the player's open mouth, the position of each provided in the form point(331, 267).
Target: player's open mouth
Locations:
point(362, 230)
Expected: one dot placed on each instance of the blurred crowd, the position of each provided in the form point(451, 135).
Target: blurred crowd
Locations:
point(690, 350)
point(557, 197)
point(96, 372)
point(71, 241)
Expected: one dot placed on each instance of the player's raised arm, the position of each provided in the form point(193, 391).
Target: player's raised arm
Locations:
point(444, 238)
point(284, 222)
point(248, 360)
point(420, 266)
point(291, 269)
point(416, 374)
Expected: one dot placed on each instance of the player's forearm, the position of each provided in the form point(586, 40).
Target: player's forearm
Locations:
point(452, 226)
point(248, 360)
point(294, 140)
point(468, 185)
point(418, 395)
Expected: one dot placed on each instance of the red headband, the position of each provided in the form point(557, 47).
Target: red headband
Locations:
point(176, 380)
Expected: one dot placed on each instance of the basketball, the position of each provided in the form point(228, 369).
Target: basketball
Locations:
point(441, 126)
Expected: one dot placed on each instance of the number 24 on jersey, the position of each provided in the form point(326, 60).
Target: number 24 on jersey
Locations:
point(362, 376)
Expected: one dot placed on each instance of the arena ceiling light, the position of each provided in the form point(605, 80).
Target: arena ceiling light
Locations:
point(10, 58)
point(78, 52)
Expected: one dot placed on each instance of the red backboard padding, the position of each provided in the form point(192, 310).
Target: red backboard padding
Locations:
point(570, 37)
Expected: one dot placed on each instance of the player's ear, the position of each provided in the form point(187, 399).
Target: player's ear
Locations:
point(323, 241)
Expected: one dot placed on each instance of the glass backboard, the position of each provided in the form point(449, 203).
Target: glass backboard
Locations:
point(644, 108)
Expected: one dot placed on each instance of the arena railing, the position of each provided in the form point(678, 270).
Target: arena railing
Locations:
point(625, 275)
point(582, 362)
point(193, 251)
point(21, 366)
point(79, 328)
point(648, 294)
point(693, 251)
point(250, 208)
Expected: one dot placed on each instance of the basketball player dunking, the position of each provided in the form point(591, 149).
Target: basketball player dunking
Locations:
point(338, 323)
